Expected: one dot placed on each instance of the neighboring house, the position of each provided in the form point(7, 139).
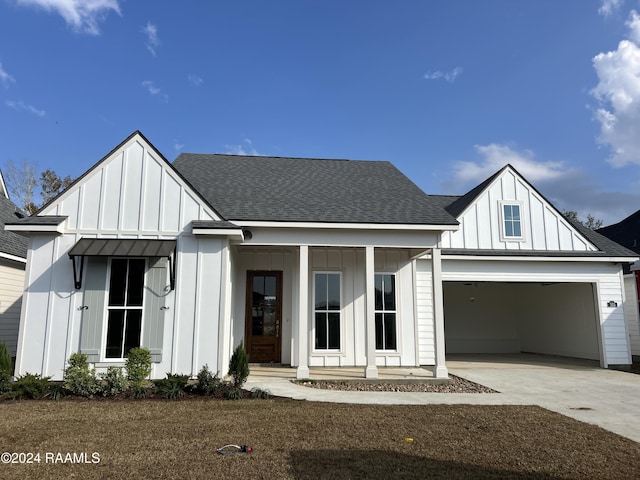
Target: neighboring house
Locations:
point(309, 263)
point(627, 233)
point(13, 259)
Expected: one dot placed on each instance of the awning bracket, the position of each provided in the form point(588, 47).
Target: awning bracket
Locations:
point(77, 270)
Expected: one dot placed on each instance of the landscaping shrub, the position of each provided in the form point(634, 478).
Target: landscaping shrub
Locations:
point(239, 366)
point(6, 364)
point(208, 383)
point(233, 393)
point(114, 381)
point(5, 382)
point(173, 387)
point(260, 393)
point(31, 386)
point(78, 379)
point(138, 367)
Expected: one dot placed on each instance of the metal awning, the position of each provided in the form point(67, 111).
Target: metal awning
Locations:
point(120, 247)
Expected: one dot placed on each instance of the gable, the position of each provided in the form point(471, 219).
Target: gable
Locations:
point(482, 220)
point(133, 189)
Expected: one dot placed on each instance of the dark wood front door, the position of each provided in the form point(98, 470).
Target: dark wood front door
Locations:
point(264, 316)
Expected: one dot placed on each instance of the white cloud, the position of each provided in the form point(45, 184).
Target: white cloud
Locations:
point(21, 106)
point(495, 156)
point(5, 78)
point(177, 146)
point(153, 42)
point(81, 15)
point(566, 188)
point(618, 94)
point(607, 7)
point(448, 76)
point(195, 80)
point(153, 90)
point(245, 148)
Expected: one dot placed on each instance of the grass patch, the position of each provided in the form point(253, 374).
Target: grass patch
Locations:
point(308, 440)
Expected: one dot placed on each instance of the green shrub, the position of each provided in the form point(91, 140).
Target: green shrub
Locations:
point(233, 393)
point(208, 383)
point(138, 366)
point(173, 387)
point(141, 391)
point(56, 390)
point(113, 381)
point(30, 385)
point(260, 393)
point(5, 382)
point(78, 379)
point(6, 364)
point(239, 366)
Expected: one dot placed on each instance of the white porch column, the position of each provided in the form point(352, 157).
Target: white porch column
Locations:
point(224, 327)
point(438, 313)
point(303, 314)
point(371, 371)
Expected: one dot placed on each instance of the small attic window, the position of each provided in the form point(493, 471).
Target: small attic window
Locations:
point(511, 216)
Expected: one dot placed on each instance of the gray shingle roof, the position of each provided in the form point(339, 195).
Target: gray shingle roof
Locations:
point(10, 243)
point(39, 220)
point(626, 232)
point(308, 190)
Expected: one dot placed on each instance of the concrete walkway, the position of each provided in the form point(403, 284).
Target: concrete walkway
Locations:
point(581, 390)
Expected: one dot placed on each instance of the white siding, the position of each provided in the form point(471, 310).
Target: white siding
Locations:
point(631, 313)
point(544, 228)
point(424, 310)
point(130, 194)
point(11, 286)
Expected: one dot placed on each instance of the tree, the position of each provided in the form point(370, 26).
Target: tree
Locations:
point(22, 181)
point(51, 184)
point(592, 222)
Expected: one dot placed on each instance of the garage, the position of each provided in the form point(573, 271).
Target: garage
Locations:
point(554, 318)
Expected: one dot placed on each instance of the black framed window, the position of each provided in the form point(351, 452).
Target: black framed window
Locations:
point(327, 310)
point(386, 313)
point(125, 306)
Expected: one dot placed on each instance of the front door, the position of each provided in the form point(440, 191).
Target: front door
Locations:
point(264, 315)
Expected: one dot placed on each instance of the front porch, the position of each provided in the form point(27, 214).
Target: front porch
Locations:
point(261, 372)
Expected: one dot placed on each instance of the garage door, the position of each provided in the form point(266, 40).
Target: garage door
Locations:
point(502, 317)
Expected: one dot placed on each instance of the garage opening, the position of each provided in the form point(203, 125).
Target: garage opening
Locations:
point(502, 317)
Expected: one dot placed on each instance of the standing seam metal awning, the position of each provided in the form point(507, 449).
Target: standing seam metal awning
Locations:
point(121, 247)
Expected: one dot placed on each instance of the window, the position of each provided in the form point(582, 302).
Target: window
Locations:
point(124, 308)
point(385, 285)
point(511, 221)
point(327, 311)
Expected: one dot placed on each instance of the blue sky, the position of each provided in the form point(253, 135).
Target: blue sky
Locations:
point(447, 90)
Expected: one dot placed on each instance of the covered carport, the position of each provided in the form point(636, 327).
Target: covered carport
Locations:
point(500, 317)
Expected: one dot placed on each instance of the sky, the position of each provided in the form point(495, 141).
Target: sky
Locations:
point(449, 91)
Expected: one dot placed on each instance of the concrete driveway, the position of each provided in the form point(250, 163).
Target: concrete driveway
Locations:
point(578, 389)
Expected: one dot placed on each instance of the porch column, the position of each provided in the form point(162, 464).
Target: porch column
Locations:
point(438, 313)
point(303, 314)
point(371, 371)
point(224, 327)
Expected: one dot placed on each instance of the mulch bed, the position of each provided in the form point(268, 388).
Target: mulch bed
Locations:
point(455, 385)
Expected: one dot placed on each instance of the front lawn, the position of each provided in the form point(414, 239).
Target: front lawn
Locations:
point(305, 440)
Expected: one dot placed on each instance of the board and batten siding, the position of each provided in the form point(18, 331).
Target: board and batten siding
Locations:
point(544, 228)
point(11, 286)
point(631, 312)
point(130, 194)
point(424, 312)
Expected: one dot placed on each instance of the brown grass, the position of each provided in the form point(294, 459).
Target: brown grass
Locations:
point(306, 440)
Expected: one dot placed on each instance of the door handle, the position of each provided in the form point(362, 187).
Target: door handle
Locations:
point(164, 308)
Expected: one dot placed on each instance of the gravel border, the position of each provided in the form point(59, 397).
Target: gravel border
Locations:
point(455, 385)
